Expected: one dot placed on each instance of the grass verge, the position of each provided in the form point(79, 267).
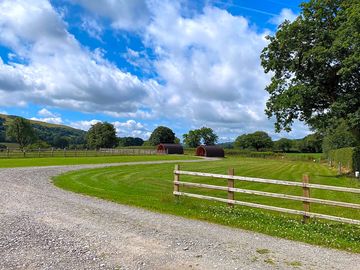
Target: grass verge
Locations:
point(150, 187)
point(31, 162)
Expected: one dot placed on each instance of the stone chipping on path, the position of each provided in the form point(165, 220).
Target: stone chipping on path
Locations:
point(44, 227)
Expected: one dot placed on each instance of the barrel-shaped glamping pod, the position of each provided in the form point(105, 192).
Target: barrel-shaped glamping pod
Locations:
point(210, 151)
point(170, 148)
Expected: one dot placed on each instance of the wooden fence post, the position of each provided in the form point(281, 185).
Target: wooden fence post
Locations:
point(39, 152)
point(306, 193)
point(231, 185)
point(7, 152)
point(176, 179)
point(339, 168)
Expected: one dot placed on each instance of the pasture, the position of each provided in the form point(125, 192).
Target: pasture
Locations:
point(150, 187)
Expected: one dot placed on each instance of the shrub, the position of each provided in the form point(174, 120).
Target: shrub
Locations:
point(346, 156)
point(356, 159)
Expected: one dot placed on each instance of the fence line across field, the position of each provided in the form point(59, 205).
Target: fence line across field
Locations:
point(231, 190)
point(58, 152)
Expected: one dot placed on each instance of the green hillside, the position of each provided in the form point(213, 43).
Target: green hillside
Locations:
point(50, 133)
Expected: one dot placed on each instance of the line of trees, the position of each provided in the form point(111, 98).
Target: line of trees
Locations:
point(103, 135)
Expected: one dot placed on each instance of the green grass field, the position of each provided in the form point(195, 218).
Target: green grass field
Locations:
point(150, 186)
point(30, 162)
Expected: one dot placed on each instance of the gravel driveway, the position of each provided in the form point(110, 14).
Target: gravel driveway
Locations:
point(44, 227)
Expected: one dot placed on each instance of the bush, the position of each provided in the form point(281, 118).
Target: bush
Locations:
point(356, 159)
point(2, 147)
point(346, 156)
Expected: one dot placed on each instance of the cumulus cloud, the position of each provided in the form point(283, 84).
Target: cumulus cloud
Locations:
point(211, 67)
point(131, 128)
point(124, 14)
point(84, 124)
point(285, 14)
point(123, 129)
point(47, 116)
point(46, 113)
point(59, 71)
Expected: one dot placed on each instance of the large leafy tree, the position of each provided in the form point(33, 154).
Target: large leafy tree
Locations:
point(338, 138)
point(193, 138)
point(162, 134)
point(315, 66)
point(208, 136)
point(258, 140)
point(203, 135)
point(21, 131)
point(101, 135)
point(283, 145)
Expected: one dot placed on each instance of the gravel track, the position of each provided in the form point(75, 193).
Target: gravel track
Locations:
point(44, 227)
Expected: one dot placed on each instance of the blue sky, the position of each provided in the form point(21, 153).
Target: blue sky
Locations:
point(141, 63)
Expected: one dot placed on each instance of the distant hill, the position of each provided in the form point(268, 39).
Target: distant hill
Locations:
point(47, 132)
point(228, 145)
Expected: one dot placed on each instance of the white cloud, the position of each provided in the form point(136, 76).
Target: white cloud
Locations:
point(48, 117)
point(123, 129)
point(285, 14)
point(59, 71)
point(52, 120)
point(131, 128)
point(46, 113)
point(84, 125)
point(124, 14)
point(211, 67)
point(92, 27)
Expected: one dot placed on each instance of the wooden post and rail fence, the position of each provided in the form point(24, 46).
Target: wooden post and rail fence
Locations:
point(306, 199)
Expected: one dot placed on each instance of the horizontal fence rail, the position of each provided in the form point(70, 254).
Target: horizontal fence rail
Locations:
point(305, 185)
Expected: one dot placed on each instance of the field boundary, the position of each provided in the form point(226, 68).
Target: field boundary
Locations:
point(59, 152)
point(231, 190)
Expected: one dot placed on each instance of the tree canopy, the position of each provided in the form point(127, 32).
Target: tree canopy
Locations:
point(161, 134)
point(258, 140)
point(203, 135)
point(283, 145)
point(130, 141)
point(101, 135)
point(315, 67)
point(21, 131)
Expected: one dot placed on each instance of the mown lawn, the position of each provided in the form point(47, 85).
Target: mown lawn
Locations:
point(52, 161)
point(150, 186)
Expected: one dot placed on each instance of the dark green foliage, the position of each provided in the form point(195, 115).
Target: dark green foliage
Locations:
point(192, 139)
point(337, 138)
point(162, 135)
point(130, 141)
point(38, 145)
point(50, 134)
point(315, 63)
point(21, 131)
point(258, 140)
point(343, 155)
point(2, 130)
point(283, 145)
point(311, 144)
point(101, 135)
point(203, 135)
point(208, 136)
point(356, 159)
point(61, 142)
